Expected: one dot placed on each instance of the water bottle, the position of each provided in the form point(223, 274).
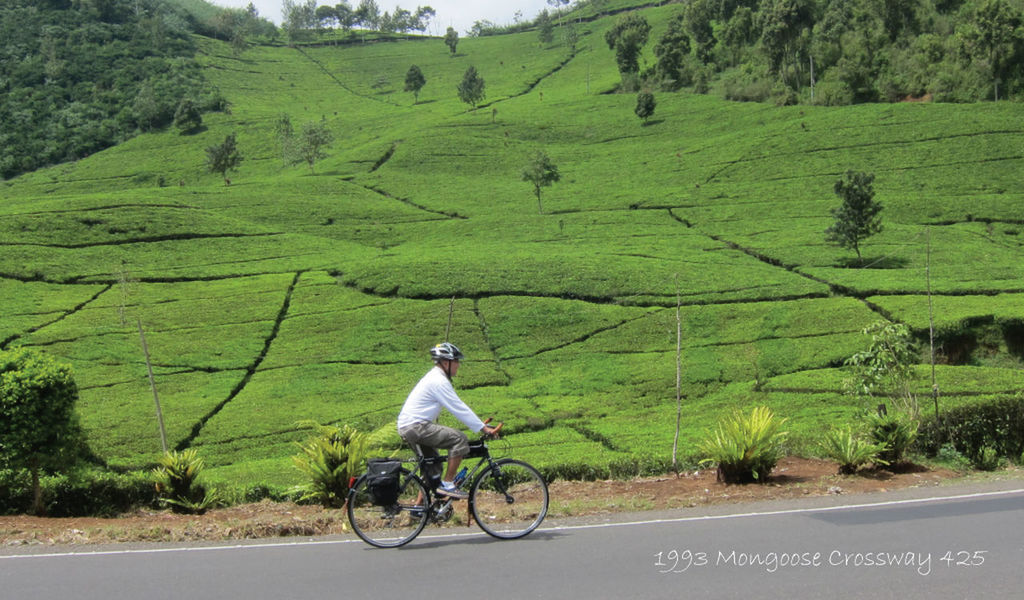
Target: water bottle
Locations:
point(461, 476)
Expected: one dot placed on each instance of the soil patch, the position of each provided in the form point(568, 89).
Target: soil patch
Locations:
point(792, 478)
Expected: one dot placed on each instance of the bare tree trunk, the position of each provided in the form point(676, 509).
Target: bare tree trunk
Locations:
point(37, 490)
point(679, 379)
point(931, 323)
point(152, 384)
point(451, 311)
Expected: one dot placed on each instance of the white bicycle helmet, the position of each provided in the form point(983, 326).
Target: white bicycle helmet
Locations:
point(446, 351)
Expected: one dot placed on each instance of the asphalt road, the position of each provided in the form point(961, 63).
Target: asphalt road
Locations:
point(967, 543)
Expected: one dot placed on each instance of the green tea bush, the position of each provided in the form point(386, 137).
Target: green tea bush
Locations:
point(745, 449)
point(997, 425)
point(615, 469)
point(82, 493)
point(98, 493)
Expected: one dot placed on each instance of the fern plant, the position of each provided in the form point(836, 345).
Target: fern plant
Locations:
point(176, 482)
point(851, 451)
point(745, 448)
point(330, 459)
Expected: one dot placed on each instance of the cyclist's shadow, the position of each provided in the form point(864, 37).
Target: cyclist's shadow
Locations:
point(427, 542)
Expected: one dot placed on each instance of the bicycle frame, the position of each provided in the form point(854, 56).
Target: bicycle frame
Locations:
point(507, 498)
point(439, 512)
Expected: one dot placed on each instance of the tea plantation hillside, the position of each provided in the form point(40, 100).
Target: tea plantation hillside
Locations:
point(296, 293)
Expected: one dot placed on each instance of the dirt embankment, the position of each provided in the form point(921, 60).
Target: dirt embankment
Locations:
point(792, 478)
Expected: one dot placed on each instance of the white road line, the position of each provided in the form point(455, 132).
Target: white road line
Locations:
point(794, 511)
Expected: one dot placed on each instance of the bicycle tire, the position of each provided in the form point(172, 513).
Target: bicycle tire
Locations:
point(389, 526)
point(509, 499)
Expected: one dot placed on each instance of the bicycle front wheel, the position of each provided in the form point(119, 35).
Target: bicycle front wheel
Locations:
point(389, 526)
point(509, 499)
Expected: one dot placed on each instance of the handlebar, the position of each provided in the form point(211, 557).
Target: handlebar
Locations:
point(497, 430)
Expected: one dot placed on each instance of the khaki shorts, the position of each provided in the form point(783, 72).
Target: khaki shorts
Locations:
point(429, 436)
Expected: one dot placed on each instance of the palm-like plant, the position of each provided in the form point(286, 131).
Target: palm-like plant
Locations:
point(745, 448)
point(851, 451)
point(894, 431)
point(176, 482)
point(330, 459)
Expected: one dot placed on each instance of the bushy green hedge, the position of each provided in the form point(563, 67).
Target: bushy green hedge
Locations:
point(997, 425)
point(616, 469)
point(79, 494)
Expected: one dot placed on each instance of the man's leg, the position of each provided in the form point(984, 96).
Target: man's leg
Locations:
point(453, 467)
point(432, 435)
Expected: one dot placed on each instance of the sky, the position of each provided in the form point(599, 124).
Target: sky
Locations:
point(460, 14)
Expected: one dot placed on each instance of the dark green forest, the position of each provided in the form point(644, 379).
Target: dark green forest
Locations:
point(837, 52)
point(77, 76)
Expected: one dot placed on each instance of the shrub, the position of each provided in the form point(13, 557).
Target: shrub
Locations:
point(850, 451)
point(93, 493)
point(948, 454)
point(987, 459)
point(745, 449)
point(747, 86)
point(330, 459)
point(833, 93)
point(998, 424)
point(81, 493)
point(176, 482)
point(38, 425)
point(895, 432)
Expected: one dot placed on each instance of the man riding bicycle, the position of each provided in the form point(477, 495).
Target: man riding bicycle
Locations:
point(417, 420)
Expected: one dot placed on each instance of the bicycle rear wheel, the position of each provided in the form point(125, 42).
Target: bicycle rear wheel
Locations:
point(509, 499)
point(389, 526)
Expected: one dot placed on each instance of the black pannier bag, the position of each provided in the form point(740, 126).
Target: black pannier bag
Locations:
point(383, 478)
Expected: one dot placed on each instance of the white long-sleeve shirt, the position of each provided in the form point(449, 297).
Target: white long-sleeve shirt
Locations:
point(434, 392)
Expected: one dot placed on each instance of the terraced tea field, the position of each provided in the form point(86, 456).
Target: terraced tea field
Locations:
point(290, 295)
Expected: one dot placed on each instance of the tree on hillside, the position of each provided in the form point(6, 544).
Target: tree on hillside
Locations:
point(697, 17)
point(739, 32)
point(627, 38)
point(857, 216)
point(540, 172)
point(285, 137)
point(299, 19)
point(645, 105)
point(38, 425)
point(224, 157)
point(995, 37)
point(672, 51)
point(782, 27)
point(187, 117)
point(899, 17)
point(421, 20)
point(545, 28)
point(886, 368)
point(414, 82)
point(451, 39)
point(471, 88)
point(570, 35)
point(368, 14)
point(311, 143)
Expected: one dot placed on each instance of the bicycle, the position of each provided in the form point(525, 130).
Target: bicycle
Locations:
point(508, 499)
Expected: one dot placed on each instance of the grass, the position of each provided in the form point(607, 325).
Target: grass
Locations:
point(288, 296)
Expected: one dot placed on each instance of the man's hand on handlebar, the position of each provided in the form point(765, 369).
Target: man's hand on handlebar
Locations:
point(491, 432)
